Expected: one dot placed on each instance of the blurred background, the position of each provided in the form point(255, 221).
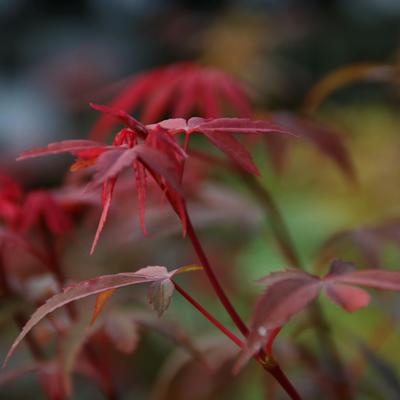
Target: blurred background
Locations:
point(57, 56)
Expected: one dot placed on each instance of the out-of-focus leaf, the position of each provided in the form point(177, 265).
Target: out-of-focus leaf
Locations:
point(327, 141)
point(123, 332)
point(348, 297)
point(160, 294)
point(383, 369)
point(344, 76)
point(52, 381)
point(66, 146)
point(40, 206)
point(290, 291)
point(87, 288)
point(181, 89)
point(369, 241)
point(16, 373)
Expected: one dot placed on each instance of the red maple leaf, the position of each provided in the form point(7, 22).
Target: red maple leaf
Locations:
point(180, 90)
point(110, 161)
point(10, 199)
point(40, 207)
point(153, 149)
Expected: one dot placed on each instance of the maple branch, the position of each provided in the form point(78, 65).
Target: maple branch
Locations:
point(269, 364)
point(288, 249)
point(275, 370)
point(206, 314)
point(213, 278)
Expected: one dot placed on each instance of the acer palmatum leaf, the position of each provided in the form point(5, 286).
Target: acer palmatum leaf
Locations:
point(163, 162)
point(325, 139)
point(281, 300)
point(87, 288)
point(40, 206)
point(122, 116)
point(370, 241)
point(181, 90)
point(289, 292)
point(220, 132)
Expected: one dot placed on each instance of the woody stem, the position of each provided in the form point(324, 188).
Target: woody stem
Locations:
point(213, 278)
point(268, 364)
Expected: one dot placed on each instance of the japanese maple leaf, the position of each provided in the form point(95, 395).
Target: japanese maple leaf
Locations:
point(180, 90)
point(104, 284)
point(40, 206)
point(325, 139)
point(220, 132)
point(370, 241)
point(10, 199)
point(289, 292)
point(109, 161)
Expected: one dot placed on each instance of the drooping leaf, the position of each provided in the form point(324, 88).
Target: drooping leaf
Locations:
point(160, 294)
point(327, 140)
point(370, 242)
point(88, 288)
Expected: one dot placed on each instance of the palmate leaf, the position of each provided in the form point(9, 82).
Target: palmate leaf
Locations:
point(369, 241)
point(181, 90)
point(40, 205)
point(290, 291)
point(163, 163)
point(87, 288)
point(221, 133)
